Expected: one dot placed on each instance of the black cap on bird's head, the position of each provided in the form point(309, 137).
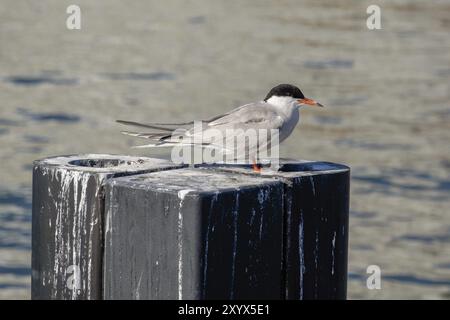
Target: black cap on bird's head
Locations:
point(285, 90)
point(288, 90)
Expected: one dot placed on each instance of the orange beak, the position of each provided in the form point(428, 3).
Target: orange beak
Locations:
point(309, 102)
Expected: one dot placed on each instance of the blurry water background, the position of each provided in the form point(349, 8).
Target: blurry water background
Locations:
point(386, 92)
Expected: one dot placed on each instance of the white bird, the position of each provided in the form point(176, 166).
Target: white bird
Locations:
point(278, 111)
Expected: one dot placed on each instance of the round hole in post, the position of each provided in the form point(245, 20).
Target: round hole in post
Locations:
point(97, 163)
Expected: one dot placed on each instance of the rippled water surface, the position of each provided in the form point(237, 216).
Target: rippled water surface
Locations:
point(386, 91)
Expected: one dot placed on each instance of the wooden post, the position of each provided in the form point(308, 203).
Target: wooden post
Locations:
point(316, 213)
point(111, 227)
point(67, 221)
point(214, 233)
point(193, 234)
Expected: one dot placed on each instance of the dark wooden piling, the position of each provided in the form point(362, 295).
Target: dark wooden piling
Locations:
point(67, 223)
point(316, 213)
point(112, 227)
point(193, 234)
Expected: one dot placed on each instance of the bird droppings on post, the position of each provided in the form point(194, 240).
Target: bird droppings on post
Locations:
point(181, 195)
point(209, 232)
point(67, 221)
point(333, 242)
point(235, 239)
point(316, 201)
point(301, 253)
point(312, 185)
point(210, 261)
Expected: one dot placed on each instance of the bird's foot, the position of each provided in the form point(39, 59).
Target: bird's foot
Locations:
point(256, 167)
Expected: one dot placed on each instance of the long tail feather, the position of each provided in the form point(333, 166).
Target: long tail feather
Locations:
point(148, 135)
point(154, 145)
point(162, 125)
point(165, 144)
point(151, 126)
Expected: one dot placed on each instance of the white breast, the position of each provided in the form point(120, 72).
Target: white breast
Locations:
point(289, 125)
point(288, 110)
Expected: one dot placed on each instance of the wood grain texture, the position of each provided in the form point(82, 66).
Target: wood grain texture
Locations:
point(149, 230)
point(193, 234)
point(67, 221)
point(315, 228)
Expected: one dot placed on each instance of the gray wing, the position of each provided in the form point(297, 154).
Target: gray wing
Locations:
point(258, 115)
point(246, 122)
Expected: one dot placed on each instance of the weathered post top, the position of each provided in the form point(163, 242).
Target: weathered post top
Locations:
point(106, 164)
point(67, 221)
point(316, 213)
point(108, 226)
point(193, 234)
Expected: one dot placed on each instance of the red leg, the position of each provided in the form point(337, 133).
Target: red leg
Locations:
point(256, 168)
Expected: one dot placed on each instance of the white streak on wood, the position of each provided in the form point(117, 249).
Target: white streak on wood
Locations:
point(208, 230)
point(235, 241)
point(181, 195)
point(333, 242)
point(311, 179)
point(301, 252)
point(137, 294)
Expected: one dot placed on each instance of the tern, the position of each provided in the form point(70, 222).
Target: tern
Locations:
point(278, 112)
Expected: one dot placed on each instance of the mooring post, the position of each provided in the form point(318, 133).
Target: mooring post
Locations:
point(225, 232)
point(316, 213)
point(193, 234)
point(114, 227)
point(67, 221)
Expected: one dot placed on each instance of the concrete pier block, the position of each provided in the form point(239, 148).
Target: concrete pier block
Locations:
point(193, 234)
point(67, 222)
